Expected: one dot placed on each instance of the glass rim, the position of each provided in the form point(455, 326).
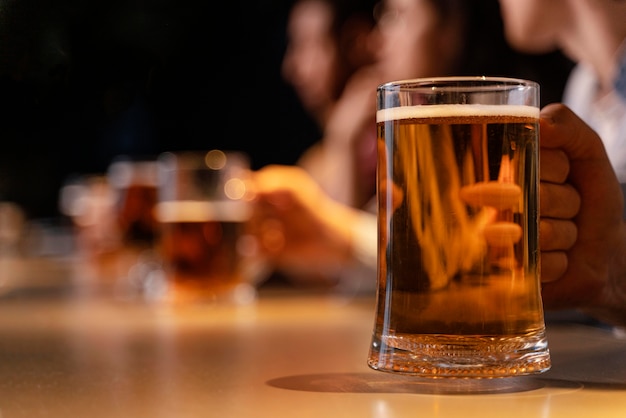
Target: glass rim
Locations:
point(456, 82)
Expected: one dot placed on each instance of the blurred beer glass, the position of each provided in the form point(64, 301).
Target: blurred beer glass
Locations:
point(458, 269)
point(114, 226)
point(13, 222)
point(88, 201)
point(13, 227)
point(203, 211)
point(134, 182)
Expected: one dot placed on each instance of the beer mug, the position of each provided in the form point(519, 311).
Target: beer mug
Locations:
point(203, 210)
point(458, 268)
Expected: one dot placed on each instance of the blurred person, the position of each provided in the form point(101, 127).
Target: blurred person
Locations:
point(583, 255)
point(593, 34)
point(583, 237)
point(327, 41)
point(582, 233)
point(413, 39)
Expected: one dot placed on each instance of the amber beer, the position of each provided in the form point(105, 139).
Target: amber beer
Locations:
point(200, 249)
point(459, 292)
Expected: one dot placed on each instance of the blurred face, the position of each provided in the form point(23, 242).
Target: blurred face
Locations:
point(533, 25)
point(414, 42)
point(310, 60)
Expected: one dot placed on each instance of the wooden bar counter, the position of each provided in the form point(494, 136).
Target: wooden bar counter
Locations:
point(71, 353)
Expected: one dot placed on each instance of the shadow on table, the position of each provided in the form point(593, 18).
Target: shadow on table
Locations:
point(582, 357)
point(379, 382)
point(383, 383)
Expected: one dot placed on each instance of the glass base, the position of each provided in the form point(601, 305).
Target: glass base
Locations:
point(461, 356)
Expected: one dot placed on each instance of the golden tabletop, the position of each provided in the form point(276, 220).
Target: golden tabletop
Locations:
point(71, 353)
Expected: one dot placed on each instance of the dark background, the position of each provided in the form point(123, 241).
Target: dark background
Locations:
point(84, 81)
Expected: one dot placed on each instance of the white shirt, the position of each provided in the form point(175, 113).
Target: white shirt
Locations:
point(606, 114)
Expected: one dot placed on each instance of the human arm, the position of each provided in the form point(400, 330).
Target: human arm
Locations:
point(344, 160)
point(303, 231)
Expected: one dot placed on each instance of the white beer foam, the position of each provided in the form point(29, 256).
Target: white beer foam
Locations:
point(200, 211)
point(455, 110)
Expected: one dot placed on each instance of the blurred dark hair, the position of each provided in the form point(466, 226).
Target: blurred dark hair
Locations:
point(351, 20)
point(346, 11)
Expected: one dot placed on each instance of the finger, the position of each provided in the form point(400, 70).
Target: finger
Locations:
point(277, 177)
point(554, 165)
point(280, 200)
point(553, 265)
point(591, 172)
point(557, 234)
point(558, 200)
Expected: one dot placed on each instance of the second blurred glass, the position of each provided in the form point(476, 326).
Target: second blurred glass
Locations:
point(203, 211)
